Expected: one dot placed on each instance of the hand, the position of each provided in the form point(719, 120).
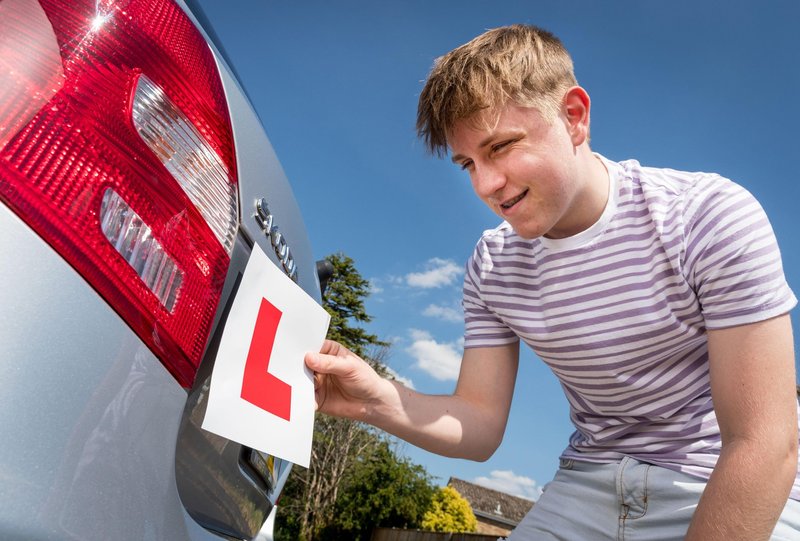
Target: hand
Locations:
point(344, 384)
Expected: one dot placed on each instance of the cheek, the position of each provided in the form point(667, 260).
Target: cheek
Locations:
point(558, 178)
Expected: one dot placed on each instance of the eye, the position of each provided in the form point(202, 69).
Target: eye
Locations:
point(466, 165)
point(497, 147)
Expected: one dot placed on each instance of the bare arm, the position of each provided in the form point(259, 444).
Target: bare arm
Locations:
point(467, 424)
point(753, 388)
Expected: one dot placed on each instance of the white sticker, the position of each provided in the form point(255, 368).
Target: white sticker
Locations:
point(262, 394)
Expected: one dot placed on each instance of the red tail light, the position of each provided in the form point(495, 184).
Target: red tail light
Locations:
point(116, 148)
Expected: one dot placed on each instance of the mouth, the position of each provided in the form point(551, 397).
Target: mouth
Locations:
point(513, 201)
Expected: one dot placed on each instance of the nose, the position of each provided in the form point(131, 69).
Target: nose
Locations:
point(487, 180)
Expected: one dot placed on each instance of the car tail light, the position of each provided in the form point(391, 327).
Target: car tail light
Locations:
point(117, 149)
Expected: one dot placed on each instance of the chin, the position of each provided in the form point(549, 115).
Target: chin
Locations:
point(527, 234)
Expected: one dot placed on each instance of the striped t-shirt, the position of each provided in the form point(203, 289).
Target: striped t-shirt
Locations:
point(619, 312)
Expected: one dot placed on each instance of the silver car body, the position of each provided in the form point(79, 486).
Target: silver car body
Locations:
point(99, 439)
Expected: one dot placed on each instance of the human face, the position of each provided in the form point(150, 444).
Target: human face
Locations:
point(532, 173)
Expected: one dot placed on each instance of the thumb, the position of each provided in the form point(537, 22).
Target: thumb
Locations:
point(329, 357)
point(329, 364)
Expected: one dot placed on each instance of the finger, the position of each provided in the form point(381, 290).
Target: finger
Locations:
point(312, 362)
point(332, 347)
point(330, 364)
point(319, 390)
point(328, 346)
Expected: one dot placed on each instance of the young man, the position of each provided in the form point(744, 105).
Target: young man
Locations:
point(656, 296)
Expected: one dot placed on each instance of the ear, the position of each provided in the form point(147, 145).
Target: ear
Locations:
point(576, 107)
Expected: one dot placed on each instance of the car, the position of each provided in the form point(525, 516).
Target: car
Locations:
point(135, 180)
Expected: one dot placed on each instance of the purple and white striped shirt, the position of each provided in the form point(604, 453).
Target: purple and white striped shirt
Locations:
point(619, 312)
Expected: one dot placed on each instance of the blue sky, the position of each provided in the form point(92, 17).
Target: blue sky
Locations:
point(691, 85)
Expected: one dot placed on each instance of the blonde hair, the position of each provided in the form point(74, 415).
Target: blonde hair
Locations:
point(521, 63)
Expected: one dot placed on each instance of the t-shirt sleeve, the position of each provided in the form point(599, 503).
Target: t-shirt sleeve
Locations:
point(733, 257)
point(482, 326)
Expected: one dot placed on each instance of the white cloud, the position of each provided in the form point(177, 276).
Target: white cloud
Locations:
point(375, 287)
point(440, 360)
point(507, 481)
point(438, 273)
point(402, 379)
point(444, 312)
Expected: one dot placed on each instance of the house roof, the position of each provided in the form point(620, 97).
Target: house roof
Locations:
point(492, 504)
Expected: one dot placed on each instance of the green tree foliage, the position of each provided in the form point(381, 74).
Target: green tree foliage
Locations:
point(449, 512)
point(309, 497)
point(384, 490)
point(348, 458)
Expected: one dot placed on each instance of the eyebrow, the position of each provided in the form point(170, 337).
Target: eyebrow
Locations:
point(458, 157)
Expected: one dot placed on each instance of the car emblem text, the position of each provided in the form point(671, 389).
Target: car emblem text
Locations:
point(267, 223)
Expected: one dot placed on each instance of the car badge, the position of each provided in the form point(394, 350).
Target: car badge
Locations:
point(267, 224)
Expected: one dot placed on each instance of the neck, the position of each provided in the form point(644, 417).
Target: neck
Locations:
point(592, 196)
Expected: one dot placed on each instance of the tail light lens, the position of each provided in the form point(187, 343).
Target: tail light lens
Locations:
point(116, 148)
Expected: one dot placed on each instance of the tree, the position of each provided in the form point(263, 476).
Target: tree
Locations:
point(449, 512)
point(383, 490)
point(344, 301)
point(308, 504)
